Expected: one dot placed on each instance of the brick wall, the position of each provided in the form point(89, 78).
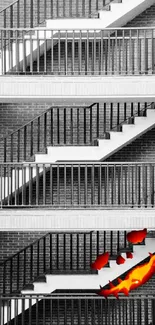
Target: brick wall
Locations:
point(142, 149)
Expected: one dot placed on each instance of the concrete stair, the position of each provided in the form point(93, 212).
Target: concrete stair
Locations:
point(119, 15)
point(105, 147)
point(50, 283)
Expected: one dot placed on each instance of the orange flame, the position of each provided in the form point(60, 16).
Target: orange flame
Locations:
point(134, 279)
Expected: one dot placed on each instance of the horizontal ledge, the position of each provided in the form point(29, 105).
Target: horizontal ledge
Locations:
point(35, 219)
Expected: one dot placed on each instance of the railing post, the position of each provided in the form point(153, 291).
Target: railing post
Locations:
point(31, 14)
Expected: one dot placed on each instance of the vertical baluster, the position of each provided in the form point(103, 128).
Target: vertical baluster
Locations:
point(51, 252)
point(30, 184)
point(65, 184)
point(5, 149)
point(128, 180)
point(100, 185)
point(45, 5)
point(104, 118)
point(89, 8)
point(90, 124)
point(124, 111)
point(44, 184)
point(58, 186)
point(101, 55)
point(31, 148)
point(37, 184)
point(31, 263)
point(38, 134)
point(52, 16)
point(91, 242)
point(38, 258)
point(121, 186)
point(58, 131)
point(45, 130)
point(137, 40)
point(118, 239)
point(86, 185)
point(4, 44)
point(51, 185)
point(59, 54)
point(84, 254)
point(64, 125)
point(83, 8)
point(52, 126)
point(98, 120)
point(72, 186)
point(38, 12)
point(104, 241)
point(78, 126)
point(44, 254)
point(79, 190)
point(77, 250)
point(111, 242)
point(98, 242)
point(84, 121)
point(25, 11)
point(11, 275)
point(57, 250)
point(71, 126)
point(123, 45)
point(152, 52)
point(66, 53)
point(107, 190)
point(38, 52)
point(31, 14)
point(2, 52)
point(116, 53)
point(73, 53)
point(77, 9)
point(30, 311)
point(94, 64)
point(111, 116)
point(24, 52)
point(52, 52)
point(80, 52)
point(45, 51)
point(118, 113)
point(92, 186)
point(31, 52)
point(71, 247)
point(24, 269)
point(109, 51)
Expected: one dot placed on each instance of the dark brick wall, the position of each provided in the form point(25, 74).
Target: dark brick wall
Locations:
point(142, 149)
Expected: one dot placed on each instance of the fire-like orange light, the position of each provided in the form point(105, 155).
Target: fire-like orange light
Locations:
point(134, 279)
point(136, 236)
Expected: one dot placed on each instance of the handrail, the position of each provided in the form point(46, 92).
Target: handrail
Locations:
point(36, 241)
point(78, 162)
point(77, 29)
point(134, 115)
point(35, 118)
point(57, 296)
point(11, 4)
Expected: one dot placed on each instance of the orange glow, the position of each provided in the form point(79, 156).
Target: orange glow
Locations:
point(134, 279)
point(100, 262)
point(136, 236)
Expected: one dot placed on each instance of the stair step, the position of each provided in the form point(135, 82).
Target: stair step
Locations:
point(28, 287)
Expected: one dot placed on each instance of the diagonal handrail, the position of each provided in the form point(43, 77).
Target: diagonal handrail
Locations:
point(11, 4)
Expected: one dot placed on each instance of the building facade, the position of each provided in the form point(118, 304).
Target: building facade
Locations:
point(77, 163)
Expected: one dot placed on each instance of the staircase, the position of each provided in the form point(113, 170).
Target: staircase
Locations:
point(25, 51)
point(49, 282)
point(105, 147)
point(13, 184)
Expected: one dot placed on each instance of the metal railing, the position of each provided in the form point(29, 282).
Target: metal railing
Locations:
point(111, 51)
point(31, 13)
point(77, 185)
point(58, 253)
point(138, 309)
point(69, 126)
